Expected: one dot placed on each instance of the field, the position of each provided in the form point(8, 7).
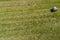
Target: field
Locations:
point(29, 20)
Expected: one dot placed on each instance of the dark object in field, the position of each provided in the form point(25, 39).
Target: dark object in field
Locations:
point(54, 9)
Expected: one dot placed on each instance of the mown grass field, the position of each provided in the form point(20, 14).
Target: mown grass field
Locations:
point(29, 20)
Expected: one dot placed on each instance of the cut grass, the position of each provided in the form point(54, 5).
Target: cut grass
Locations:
point(29, 20)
